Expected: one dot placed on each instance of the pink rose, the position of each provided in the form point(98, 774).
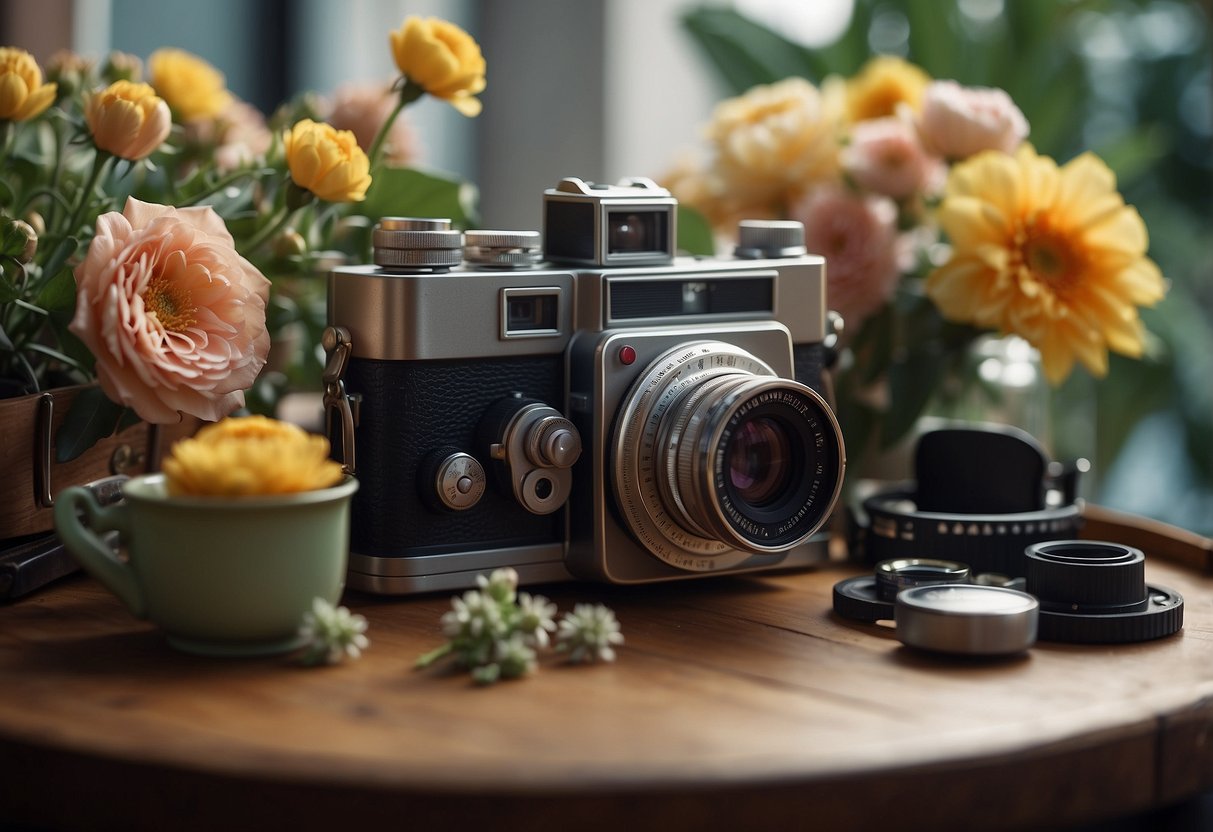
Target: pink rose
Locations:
point(173, 314)
point(957, 121)
point(857, 235)
point(886, 157)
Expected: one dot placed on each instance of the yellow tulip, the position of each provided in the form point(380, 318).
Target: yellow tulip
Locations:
point(128, 119)
point(442, 59)
point(22, 93)
point(192, 87)
point(326, 161)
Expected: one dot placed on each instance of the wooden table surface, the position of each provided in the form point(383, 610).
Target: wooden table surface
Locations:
point(738, 703)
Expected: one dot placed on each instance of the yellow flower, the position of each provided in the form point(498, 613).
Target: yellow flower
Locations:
point(773, 142)
point(326, 161)
point(442, 59)
point(22, 93)
point(248, 456)
point(882, 84)
point(128, 119)
point(192, 87)
point(1050, 253)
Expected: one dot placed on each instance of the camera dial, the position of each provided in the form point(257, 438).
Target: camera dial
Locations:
point(716, 458)
point(533, 447)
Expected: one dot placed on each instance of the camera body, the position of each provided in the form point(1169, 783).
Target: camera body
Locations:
point(632, 417)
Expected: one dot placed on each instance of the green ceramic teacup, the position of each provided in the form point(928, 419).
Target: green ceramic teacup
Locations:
point(223, 576)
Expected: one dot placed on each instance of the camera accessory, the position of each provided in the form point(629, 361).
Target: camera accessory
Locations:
point(967, 618)
point(1096, 593)
point(502, 249)
point(982, 496)
point(757, 239)
point(717, 458)
point(416, 244)
point(591, 224)
point(871, 597)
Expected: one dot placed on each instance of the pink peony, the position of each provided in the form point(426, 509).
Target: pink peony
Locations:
point(957, 121)
point(886, 157)
point(857, 235)
point(173, 314)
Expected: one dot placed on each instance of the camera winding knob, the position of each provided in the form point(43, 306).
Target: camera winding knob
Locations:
point(758, 239)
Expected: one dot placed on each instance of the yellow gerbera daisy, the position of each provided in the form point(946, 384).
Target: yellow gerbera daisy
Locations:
point(1049, 253)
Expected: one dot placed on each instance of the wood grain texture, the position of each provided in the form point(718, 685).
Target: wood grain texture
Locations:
point(736, 703)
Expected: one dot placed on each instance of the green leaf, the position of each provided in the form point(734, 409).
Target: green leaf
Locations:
point(59, 293)
point(92, 417)
point(8, 290)
point(746, 53)
point(405, 192)
point(694, 232)
point(60, 253)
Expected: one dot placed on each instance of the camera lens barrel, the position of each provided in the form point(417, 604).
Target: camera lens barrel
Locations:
point(717, 459)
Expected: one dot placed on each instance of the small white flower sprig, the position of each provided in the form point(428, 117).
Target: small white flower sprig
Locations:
point(497, 632)
point(331, 634)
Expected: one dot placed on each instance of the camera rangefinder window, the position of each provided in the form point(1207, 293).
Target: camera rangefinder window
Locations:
point(634, 232)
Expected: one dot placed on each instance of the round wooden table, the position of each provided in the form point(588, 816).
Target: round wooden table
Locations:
point(739, 703)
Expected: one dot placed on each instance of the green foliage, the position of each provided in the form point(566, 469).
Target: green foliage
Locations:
point(405, 192)
point(694, 232)
point(1121, 78)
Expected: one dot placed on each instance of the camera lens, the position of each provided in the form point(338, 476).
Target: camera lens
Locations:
point(629, 232)
point(718, 459)
point(760, 461)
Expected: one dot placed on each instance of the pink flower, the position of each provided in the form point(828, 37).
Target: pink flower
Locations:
point(886, 157)
point(857, 235)
point(362, 109)
point(173, 314)
point(957, 121)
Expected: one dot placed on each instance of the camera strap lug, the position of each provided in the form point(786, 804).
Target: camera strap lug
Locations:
point(338, 345)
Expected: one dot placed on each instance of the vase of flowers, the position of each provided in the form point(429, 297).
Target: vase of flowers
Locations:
point(140, 217)
point(940, 224)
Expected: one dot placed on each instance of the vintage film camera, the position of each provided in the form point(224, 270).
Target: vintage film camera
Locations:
point(609, 412)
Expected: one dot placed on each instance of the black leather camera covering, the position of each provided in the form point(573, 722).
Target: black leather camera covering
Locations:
point(412, 407)
point(809, 363)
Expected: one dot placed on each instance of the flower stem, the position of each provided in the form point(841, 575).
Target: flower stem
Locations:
point(408, 94)
point(230, 179)
point(268, 230)
point(434, 655)
point(99, 162)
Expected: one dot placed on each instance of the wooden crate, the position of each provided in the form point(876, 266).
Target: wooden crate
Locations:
point(23, 511)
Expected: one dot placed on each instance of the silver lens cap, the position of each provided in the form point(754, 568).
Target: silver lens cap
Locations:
point(967, 619)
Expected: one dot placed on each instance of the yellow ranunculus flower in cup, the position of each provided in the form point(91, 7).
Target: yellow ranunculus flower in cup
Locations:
point(250, 455)
point(326, 161)
point(442, 59)
point(192, 87)
point(128, 119)
point(22, 93)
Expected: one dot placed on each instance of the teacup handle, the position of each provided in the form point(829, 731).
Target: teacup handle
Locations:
point(84, 542)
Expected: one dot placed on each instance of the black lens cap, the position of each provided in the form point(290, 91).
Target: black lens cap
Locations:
point(1093, 592)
